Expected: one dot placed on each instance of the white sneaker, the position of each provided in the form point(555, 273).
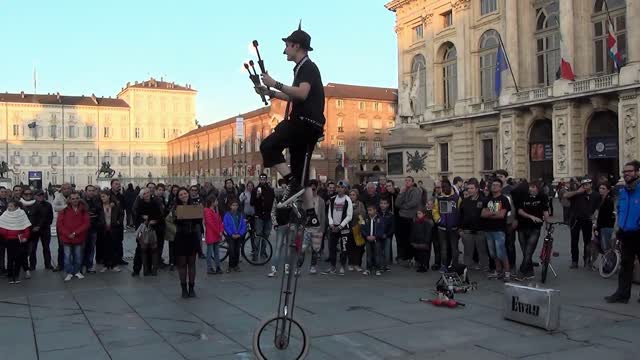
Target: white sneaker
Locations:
point(286, 269)
point(68, 278)
point(92, 270)
point(27, 274)
point(116, 269)
point(104, 269)
point(366, 273)
point(79, 276)
point(341, 272)
point(378, 272)
point(313, 270)
point(273, 272)
point(358, 269)
point(350, 268)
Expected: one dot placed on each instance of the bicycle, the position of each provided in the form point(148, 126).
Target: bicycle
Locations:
point(610, 261)
point(547, 251)
point(254, 248)
point(280, 326)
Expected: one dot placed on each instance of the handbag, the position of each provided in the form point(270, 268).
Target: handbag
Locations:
point(357, 235)
point(170, 228)
point(146, 237)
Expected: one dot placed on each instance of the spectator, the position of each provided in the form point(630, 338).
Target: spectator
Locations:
point(186, 245)
point(15, 230)
point(59, 204)
point(226, 195)
point(73, 225)
point(373, 231)
point(42, 214)
point(149, 213)
point(27, 203)
point(235, 229)
point(118, 229)
point(446, 216)
point(92, 247)
point(494, 213)
point(313, 235)
point(213, 233)
point(628, 230)
point(339, 214)
point(421, 239)
point(606, 219)
point(584, 202)
point(129, 198)
point(388, 223)
point(408, 202)
point(109, 215)
point(370, 196)
point(471, 228)
point(262, 198)
point(532, 212)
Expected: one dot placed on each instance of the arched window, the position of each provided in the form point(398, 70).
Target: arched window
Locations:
point(419, 83)
point(488, 51)
point(603, 64)
point(547, 43)
point(450, 75)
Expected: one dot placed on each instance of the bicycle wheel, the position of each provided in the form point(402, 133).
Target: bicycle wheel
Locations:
point(257, 250)
point(270, 343)
point(610, 263)
point(224, 251)
point(545, 258)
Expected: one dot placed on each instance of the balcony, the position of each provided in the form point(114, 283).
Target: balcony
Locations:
point(534, 94)
point(597, 83)
point(483, 106)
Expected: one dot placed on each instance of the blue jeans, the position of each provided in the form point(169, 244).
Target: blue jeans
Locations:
point(73, 258)
point(281, 235)
point(90, 249)
point(605, 238)
point(213, 249)
point(384, 252)
point(263, 227)
point(496, 245)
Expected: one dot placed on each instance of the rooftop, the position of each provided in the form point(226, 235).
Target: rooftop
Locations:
point(360, 92)
point(57, 99)
point(158, 84)
point(229, 121)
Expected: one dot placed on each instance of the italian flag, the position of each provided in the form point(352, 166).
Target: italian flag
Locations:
point(612, 46)
point(566, 71)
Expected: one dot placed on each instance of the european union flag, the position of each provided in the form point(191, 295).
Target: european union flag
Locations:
point(501, 65)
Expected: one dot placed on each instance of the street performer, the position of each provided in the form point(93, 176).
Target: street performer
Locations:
point(303, 123)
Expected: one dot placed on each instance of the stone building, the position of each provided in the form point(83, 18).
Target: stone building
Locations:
point(54, 138)
point(548, 127)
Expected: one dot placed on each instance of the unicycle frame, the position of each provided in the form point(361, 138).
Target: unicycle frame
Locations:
point(289, 283)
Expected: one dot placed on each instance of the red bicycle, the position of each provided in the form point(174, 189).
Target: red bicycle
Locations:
point(547, 250)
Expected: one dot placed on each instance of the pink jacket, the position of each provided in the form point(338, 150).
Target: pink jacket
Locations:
point(213, 226)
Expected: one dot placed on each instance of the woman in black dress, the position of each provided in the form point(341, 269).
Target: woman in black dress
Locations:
point(186, 245)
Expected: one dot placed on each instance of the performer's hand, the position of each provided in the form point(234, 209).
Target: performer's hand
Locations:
point(267, 80)
point(262, 90)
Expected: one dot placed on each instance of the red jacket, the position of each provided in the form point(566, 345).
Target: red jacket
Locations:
point(70, 221)
point(213, 226)
point(12, 235)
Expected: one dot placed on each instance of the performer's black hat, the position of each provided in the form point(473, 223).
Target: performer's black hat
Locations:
point(300, 37)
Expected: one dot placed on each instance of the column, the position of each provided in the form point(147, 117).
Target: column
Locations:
point(633, 31)
point(510, 38)
point(568, 141)
point(429, 58)
point(629, 145)
point(462, 21)
point(507, 141)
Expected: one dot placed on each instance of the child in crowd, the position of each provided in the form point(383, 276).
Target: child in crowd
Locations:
point(372, 231)
point(421, 239)
point(388, 229)
point(214, 230)
point(235, 229)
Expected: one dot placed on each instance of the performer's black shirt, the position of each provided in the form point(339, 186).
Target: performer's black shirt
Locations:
point(313, 106)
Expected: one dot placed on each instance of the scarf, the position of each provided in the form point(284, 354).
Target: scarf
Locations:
point(27, 203)
point(421, 220)
point(14, 220)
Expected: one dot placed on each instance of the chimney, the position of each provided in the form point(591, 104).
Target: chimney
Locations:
point(128, 83)
point(136, 82)
point(22, 94)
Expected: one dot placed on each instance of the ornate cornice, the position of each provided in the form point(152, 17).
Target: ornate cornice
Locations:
point(396, 4)
point(428, 19)
point(459, 5)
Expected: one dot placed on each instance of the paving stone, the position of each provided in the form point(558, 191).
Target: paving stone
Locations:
point(161, 351)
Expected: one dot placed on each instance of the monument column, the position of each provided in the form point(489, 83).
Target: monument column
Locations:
point(629, 148)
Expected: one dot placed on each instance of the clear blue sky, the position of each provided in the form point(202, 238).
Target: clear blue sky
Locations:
point(84, 47)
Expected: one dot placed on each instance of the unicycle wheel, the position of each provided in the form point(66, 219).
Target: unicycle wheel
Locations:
point(280, 337)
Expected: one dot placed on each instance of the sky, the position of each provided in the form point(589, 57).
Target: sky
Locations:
point(84, 47)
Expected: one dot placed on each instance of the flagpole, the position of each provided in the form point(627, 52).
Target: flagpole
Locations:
point(504, 50)
point(606, 7)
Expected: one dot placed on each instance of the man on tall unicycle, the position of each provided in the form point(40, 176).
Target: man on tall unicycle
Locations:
point(303, 123)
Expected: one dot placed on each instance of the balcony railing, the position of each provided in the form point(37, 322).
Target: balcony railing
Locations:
point(534, 94)
point(597, 83)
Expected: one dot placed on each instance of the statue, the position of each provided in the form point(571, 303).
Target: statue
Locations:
point(507, 154)
point(4, 169)
point(414, 96)
point(630, 134)
point(404, 102)
point(106, 169)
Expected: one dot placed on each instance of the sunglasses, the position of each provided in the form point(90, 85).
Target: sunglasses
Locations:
point(27, 194)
